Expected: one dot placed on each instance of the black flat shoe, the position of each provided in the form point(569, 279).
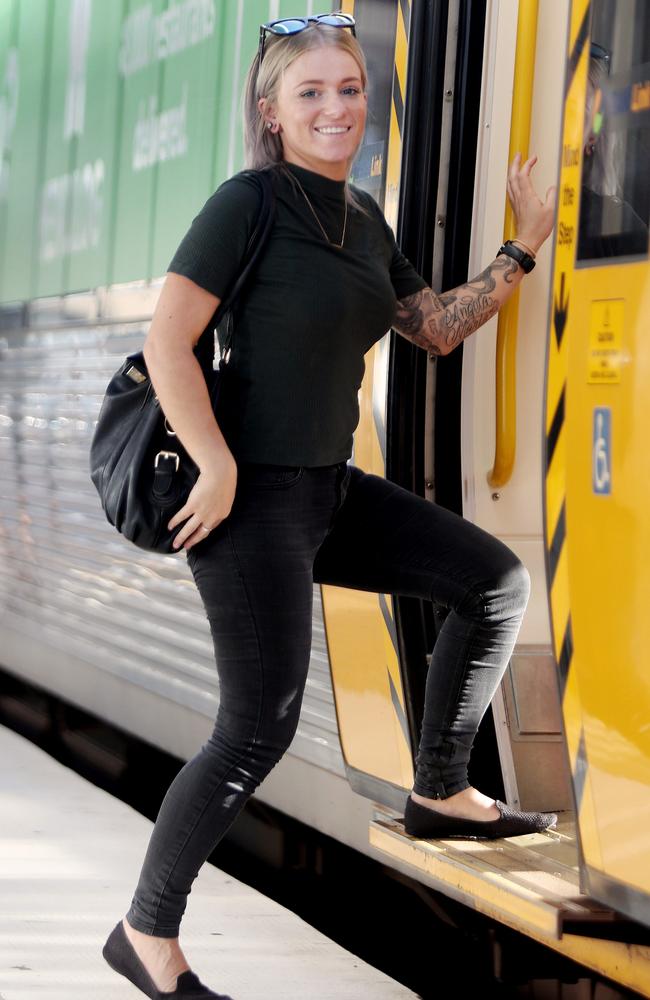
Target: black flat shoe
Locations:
point(122, 957)
point(420, 821)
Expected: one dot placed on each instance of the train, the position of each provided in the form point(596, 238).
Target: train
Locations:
point(117, 121)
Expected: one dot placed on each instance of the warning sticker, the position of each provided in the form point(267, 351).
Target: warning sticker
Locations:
point(605, 341)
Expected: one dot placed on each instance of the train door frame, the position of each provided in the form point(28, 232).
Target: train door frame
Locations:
point(423, 450)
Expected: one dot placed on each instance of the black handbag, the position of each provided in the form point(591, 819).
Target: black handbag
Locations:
point(140, 469)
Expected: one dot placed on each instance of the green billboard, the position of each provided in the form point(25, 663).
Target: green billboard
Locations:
point(118, 118)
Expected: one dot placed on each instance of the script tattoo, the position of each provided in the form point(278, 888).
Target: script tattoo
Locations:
point(438, 323)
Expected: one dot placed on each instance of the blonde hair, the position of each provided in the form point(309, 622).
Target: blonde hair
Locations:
point(601, 171)
point(262, 148)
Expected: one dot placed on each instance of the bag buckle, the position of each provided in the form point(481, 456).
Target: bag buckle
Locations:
point(135, 374)
point(167, 454)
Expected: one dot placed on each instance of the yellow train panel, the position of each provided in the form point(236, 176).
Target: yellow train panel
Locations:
point(597, 491)
point(608, 540)
point(364, 661)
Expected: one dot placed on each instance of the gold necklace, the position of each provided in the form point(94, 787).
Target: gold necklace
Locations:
point(339, 245)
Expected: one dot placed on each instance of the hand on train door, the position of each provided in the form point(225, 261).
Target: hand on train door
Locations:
point(534, 218)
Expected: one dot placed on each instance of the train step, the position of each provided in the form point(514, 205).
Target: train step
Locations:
point(532, 884)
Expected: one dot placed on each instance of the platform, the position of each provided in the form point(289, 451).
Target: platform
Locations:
point(70, 856)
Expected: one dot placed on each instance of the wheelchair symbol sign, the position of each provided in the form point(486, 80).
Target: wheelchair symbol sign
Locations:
point(602, 451)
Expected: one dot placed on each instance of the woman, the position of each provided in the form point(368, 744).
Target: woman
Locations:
point(277, 506)
point(608, 225)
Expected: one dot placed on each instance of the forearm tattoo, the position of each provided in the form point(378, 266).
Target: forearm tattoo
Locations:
point(438, 323)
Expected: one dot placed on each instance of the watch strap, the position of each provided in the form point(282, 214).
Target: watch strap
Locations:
point(512, 250)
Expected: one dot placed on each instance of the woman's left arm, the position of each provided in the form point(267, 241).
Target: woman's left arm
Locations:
point(438, 323)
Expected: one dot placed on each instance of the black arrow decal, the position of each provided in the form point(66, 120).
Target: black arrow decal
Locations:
point(560, 312)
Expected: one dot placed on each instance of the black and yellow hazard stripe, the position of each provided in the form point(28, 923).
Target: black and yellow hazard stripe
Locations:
point(396, 132)
point(556, 390)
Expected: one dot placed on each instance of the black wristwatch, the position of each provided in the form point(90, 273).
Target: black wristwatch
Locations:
point(523, 258)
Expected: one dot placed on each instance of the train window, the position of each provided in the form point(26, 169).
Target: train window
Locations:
point(615, 188)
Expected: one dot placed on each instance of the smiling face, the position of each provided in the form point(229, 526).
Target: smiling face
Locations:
point(320, 112)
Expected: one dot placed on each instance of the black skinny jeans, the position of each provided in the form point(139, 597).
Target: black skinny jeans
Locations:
point(288, 528)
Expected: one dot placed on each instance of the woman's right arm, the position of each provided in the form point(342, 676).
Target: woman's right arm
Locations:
point(182, 313)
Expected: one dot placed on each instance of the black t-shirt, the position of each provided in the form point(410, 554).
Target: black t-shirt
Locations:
point(305, 321)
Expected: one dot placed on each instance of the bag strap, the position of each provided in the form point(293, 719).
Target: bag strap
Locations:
point(205, 348)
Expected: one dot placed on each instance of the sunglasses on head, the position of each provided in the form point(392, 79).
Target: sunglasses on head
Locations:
point(597, 51)
point(292, 25)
